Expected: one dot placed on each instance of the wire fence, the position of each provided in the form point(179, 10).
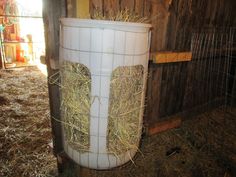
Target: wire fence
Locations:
point(212, 87)
point(213, 67)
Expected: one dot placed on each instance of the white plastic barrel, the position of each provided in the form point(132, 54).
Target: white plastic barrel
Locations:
point(103, 46)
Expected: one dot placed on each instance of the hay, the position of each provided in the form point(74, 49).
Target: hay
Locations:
point(124, 109)
point(25, 130)
point(125, 15)
point(214, 132)
point(75, 104)
point(124, 105)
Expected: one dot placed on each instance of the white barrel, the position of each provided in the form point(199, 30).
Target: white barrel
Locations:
point(102, 47)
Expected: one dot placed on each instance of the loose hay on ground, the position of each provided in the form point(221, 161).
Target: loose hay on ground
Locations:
point(24, 124)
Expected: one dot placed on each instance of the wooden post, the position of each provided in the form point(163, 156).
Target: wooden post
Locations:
point(51, 15)
point(53, 10)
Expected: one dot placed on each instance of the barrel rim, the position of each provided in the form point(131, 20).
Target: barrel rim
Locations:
point(102, 23)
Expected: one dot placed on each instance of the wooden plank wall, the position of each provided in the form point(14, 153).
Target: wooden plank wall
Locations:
point(173, 22)
point(174, 94)
point(157, 11)
point(188, 16)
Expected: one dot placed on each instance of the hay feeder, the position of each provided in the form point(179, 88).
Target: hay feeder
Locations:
point(103, 71)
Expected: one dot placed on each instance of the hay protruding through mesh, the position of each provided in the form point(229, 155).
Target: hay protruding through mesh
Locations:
point(75, 104)
point(124, 121)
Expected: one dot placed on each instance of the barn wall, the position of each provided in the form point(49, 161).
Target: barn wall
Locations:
point(187, 17)
point(178, 92)
point(173, 22)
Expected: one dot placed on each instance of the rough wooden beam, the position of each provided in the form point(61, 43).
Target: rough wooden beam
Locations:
point(153, 93)
point(164, 125)
point(111, 7)
point(53, 10)
point(96, 5)
point(169, 57)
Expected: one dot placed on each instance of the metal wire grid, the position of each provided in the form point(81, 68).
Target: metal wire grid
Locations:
point(214, 75)
point(212, 63)
point(146, 53)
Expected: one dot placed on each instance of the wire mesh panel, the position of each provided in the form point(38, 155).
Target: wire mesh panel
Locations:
point(124, 109)
point(103, 73)
point(75, 106)
point(211, 89)
point(209, 70)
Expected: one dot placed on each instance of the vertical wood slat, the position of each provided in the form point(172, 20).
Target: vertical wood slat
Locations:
point(138, 8)
point(148, 100)
point(95, 5)
point(153, 94)
point(111, 7)
point(154, 15)
point(130, 4)
point(147, 8)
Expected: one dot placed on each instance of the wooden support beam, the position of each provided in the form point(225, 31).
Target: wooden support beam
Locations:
point(52, 12)
point(168, 57)
point(164, 125)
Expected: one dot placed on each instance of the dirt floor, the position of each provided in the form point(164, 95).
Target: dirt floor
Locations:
point(204, 146)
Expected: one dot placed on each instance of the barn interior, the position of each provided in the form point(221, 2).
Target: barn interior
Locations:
point(189, 116)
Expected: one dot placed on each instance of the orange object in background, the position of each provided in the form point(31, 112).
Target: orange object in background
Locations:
point(19, 54)
point(18, 48)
